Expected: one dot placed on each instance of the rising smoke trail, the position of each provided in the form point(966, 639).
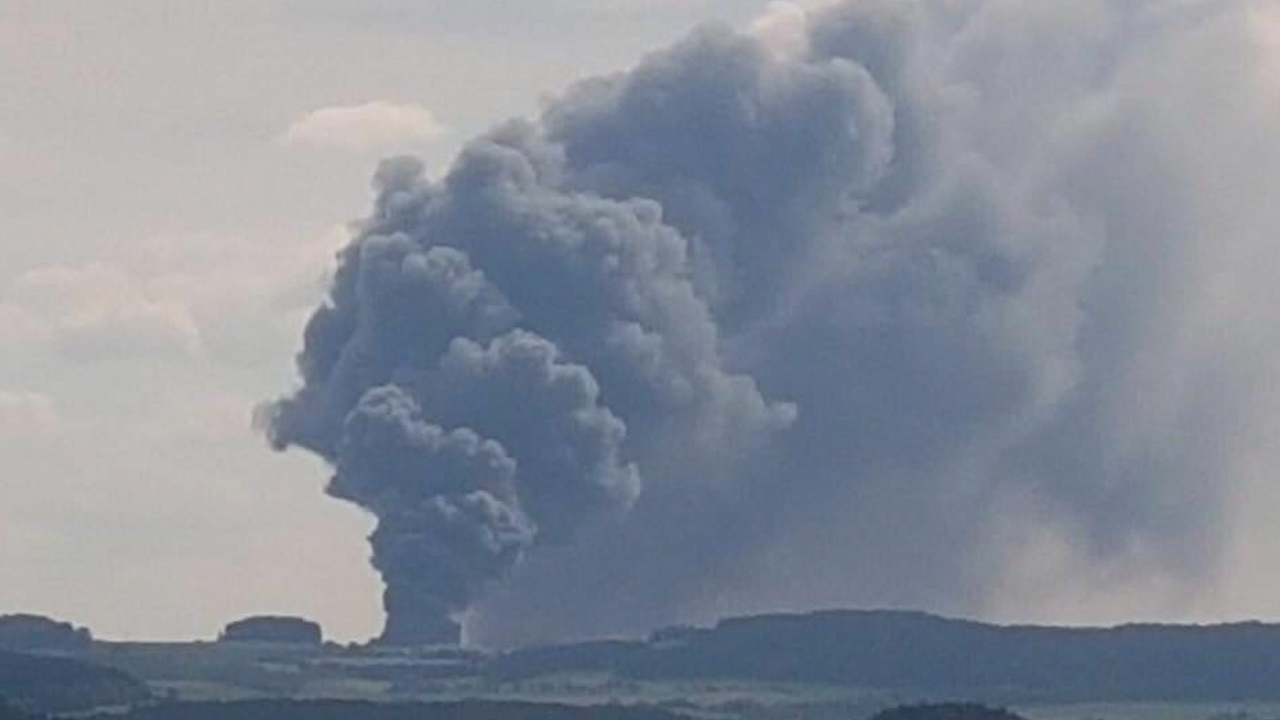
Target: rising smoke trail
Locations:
point(912, 302)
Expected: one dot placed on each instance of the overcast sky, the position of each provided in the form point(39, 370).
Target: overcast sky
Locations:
point(174, 178)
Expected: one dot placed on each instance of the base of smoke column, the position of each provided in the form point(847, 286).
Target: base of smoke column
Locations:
point(416, 632)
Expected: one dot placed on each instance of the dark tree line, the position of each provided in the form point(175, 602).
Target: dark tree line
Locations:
point(947, 711)
point(36, 683)
point(920, 655)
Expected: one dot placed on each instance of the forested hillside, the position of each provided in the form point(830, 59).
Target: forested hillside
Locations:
point(55, 684)
point(928, 656)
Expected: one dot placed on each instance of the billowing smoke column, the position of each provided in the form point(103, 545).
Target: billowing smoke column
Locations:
point(894, 302)
point(458, 379)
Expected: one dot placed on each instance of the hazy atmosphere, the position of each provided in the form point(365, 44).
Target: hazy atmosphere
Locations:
point(957, 305)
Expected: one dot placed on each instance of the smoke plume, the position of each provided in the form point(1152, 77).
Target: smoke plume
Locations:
point(913, 302)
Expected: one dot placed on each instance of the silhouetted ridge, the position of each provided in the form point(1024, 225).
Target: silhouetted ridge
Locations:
point(38, 633)
point(934, 656)
point(273, 629)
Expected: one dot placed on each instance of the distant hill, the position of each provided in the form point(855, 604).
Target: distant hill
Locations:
point(53, 684)
point(36, 633)
point(355, 710)
point(922, 655)
point(273, 629)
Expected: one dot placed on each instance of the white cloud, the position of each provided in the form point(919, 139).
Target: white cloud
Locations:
point(26, 415)
point(181, 296)
point(1264, 22)
point(96, 311)
point(373, 125)
point(20, 329)
point(143, 329)
point(221, 416)
point(248, 297)
point(784, 27)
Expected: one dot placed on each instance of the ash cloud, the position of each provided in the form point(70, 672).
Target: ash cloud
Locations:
point(872, 314)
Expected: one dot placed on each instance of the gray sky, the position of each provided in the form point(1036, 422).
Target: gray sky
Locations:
point(175, 176)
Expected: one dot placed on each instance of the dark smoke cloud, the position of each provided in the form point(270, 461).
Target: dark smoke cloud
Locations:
point(857, 307)
point(455, 380)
